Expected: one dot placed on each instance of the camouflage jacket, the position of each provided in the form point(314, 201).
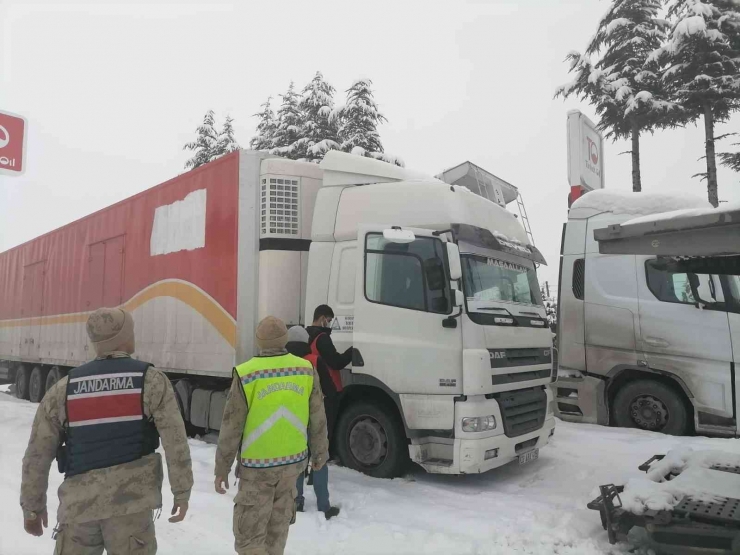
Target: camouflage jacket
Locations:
point(235, 417)
point(118, 490)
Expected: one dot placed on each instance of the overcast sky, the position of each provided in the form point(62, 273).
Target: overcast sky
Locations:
point(113, 90)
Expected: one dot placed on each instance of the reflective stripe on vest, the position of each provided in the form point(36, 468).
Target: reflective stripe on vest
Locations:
point(277, 390)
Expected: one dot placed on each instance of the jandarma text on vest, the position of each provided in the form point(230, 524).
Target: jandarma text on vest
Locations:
point(103, 384)
point(282, 386)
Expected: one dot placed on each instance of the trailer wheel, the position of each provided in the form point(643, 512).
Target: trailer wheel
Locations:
point(650, 405)
point(22, 379)
point(37, 384)
point(54, 376)
point(370, 439)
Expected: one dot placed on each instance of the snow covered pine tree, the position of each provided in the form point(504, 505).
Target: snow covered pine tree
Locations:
point(320, 134)
point(226, 141)
point(625, 85)
point(289, 126)
point(205, 144)
point(358, 121)
point(265, 128)
point(703, 55)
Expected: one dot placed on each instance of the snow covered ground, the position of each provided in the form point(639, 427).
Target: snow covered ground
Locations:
point(535, 509)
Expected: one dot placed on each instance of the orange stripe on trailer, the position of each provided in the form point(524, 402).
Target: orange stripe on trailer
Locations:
point(182, 291)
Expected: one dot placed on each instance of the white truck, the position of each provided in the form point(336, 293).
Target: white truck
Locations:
point(646, 341)
point(434, 287)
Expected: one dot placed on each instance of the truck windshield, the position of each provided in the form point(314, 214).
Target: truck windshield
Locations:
point(492, 279)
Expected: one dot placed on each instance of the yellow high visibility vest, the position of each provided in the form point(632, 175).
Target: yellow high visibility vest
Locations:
point(277, 390)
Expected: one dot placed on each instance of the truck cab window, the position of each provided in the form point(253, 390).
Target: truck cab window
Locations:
point(490, 279)
point(672, 285)
point(411, 275)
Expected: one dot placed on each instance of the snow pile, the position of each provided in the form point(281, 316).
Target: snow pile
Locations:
point(686, 213)
point(695, 478)
point(639, 204)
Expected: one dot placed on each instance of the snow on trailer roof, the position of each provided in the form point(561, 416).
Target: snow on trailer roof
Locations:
point(637, 204)
point(688, 232)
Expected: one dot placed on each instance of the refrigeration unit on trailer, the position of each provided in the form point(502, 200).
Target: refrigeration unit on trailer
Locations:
point(645, 341)
point(434, 287)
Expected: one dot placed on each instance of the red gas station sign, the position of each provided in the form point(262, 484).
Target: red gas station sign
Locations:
point(13, 131)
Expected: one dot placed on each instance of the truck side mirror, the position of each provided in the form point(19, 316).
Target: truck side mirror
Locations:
point(453, 258)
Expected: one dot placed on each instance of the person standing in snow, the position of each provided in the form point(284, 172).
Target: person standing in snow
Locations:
point(298, 346)
point(274, 398)
point(327, 360)
point(110, 414)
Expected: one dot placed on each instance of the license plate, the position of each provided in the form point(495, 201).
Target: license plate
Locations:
point(529, 457)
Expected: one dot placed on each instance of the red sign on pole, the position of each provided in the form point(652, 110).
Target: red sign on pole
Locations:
point(13, 131)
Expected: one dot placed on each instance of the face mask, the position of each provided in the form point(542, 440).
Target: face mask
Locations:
point(327, 322)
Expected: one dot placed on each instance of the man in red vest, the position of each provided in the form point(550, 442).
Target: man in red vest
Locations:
point(327, 360)
point(298, 346)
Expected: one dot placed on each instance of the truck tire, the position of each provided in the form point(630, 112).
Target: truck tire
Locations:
point(651, 405)
point(22, 379)
point(371, 440)
point(37, 384)
point(54, 376)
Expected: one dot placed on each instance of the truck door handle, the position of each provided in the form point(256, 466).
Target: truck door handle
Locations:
point(656, 342)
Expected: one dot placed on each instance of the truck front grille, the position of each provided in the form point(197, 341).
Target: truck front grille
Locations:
point(522, 411)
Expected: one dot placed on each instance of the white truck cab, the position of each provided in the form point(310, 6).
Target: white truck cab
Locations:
point(435, 288)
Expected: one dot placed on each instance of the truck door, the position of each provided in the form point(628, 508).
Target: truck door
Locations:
point(684, 331)
point(31, 309)
point(403, 296)
point(732, 296)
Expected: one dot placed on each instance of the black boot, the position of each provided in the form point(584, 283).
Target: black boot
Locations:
point(331, 513)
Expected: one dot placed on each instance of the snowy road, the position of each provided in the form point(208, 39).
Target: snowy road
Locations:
point(534, 509)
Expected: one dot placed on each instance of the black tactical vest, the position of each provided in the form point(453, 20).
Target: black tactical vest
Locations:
point(106, 425)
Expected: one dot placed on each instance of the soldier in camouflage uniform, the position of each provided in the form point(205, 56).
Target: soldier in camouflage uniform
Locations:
point(275, 397)
point(111, 413)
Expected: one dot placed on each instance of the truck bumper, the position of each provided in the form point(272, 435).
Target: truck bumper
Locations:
point(474, 456)
point(581, 399)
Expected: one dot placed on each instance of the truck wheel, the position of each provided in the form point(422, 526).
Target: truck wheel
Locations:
point(370, 439)
point(650, 405)
point(54, 376)
point(37, 384)
point(22, 378)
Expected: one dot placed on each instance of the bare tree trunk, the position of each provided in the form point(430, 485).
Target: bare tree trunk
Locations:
point(636, 180)
point(711, 160)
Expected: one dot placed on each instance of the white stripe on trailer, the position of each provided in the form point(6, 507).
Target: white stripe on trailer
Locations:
point(72, 397)
point(105, 421)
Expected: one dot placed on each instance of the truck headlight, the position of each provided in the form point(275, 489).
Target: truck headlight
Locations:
point(479, 423)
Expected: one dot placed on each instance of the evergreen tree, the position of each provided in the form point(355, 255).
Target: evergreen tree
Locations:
point(205, 145)
point(289, 126)
point(319, 133)
point(731, 159)
point(226, 141)
point(358, 120)
point(703, 55)
point(265, 128)
point(625, 85)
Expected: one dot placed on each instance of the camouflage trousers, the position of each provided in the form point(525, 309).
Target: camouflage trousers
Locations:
point(119, 535)
point(263, 509)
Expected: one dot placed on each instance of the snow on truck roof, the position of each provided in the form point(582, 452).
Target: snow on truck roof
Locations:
point(635, 204)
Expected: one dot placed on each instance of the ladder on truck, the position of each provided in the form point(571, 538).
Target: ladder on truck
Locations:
point(524, 218)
